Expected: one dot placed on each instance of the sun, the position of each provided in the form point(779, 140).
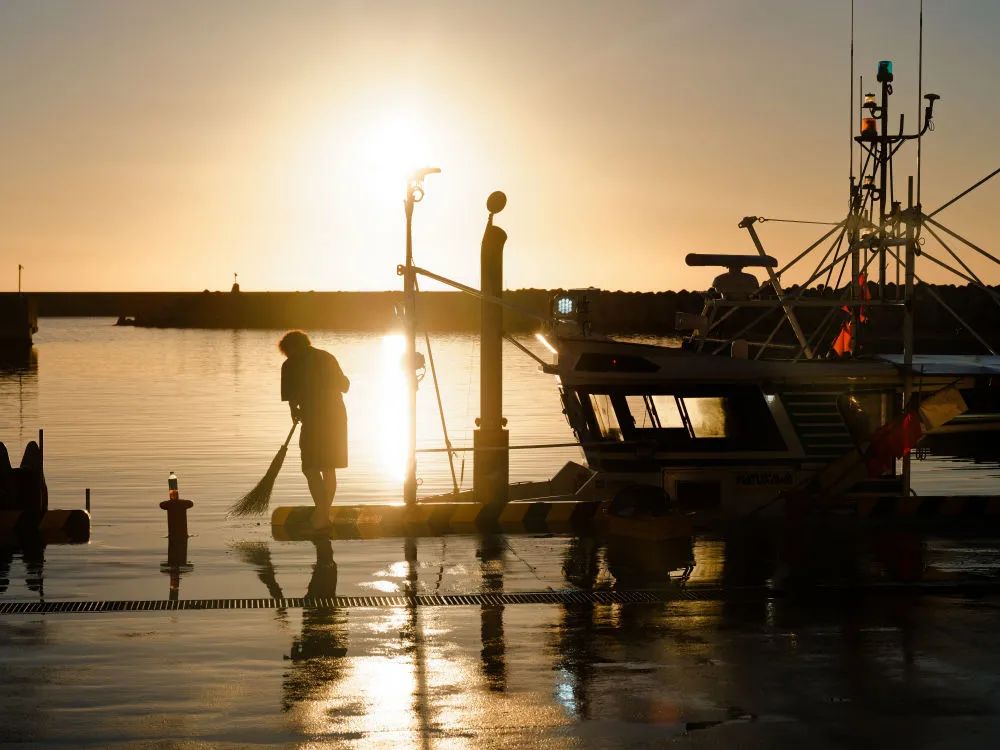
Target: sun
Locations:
point(390, 149)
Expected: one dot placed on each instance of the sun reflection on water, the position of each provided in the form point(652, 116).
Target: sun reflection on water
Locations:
point(393, 418)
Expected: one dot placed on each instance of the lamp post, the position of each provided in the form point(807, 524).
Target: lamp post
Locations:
point(414, 194)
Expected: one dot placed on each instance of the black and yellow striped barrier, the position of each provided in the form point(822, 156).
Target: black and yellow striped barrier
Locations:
point(433, 519)
point(51, 527)
point(929, 508)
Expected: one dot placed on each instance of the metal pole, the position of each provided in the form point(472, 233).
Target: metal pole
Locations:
point(410, 357)
point(908, 319)
point(793, 321)
point(883, 161)
point(19, 269)
point(491, 469)
point(414, 194)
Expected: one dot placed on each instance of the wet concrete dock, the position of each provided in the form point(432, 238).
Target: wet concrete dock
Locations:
point(888, 643)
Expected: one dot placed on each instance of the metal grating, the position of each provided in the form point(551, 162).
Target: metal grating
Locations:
point(975, 587)
point(570, 596)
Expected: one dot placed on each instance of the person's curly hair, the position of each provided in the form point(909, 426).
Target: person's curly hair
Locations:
point(293, 342)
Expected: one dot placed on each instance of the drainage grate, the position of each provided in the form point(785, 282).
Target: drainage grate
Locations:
point(570, 596)
point(703, 593)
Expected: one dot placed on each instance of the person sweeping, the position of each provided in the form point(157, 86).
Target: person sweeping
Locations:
point(313, 385)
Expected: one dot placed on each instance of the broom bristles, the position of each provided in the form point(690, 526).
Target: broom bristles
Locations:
point(257, 500)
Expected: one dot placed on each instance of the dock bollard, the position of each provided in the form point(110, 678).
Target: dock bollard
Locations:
point(177, 524)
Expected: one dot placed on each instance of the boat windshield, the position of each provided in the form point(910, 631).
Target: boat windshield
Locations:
point(607, 420)
point(655, 411)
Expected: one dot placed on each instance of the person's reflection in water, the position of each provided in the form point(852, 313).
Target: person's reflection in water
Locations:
point(258, 556)
point(493, 653)
point(317, 653)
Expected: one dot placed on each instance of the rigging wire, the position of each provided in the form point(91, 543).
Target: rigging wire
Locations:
point(437, 394)
point(801, 221)
point(964, 193)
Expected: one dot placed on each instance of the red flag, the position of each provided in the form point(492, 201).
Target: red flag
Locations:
point(842, 344)
point(866, 295)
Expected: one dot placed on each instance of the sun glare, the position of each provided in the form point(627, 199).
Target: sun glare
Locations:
point(392, 148)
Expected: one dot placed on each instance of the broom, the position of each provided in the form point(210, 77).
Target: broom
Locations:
point(255, 502)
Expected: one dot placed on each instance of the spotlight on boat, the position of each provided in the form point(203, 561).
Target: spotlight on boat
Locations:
point(570, 312)
point(565, 305)
point(869, 129)
point(870, 101)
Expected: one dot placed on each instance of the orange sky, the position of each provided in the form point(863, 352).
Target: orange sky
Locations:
point(166, 145)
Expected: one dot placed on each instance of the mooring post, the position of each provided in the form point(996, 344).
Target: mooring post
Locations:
point(177, 523)
point(490, 467)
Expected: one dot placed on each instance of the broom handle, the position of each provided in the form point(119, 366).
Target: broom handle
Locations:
point(290, 433)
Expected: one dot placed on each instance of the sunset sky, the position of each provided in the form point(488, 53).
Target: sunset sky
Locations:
point(165, 145)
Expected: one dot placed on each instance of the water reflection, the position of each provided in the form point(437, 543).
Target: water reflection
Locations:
point(490, 552)
point(176, 564)
point(647, 564)
point(258, 556)
point(317, 653)
point(18, 360)
point(18, 384)
point(392, 408)
point(30, 551)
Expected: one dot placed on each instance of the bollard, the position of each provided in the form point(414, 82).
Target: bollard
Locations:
point(177, 525)
point(177, 543)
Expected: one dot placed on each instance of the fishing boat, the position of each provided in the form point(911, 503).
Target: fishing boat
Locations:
point(780, 396)
point(776, 390)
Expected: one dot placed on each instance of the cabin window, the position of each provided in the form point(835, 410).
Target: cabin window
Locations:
point(704, 418)
point(651, 412)
point(668, 414)
point(707, 416)
point(607, 420)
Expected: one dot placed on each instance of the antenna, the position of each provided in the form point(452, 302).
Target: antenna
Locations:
point(850, 99)
point(920, 99)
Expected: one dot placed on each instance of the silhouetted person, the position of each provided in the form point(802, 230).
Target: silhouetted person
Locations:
point(312, 383)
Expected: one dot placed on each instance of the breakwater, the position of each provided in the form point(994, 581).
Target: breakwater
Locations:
point(610, 311)
point(358, 311)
